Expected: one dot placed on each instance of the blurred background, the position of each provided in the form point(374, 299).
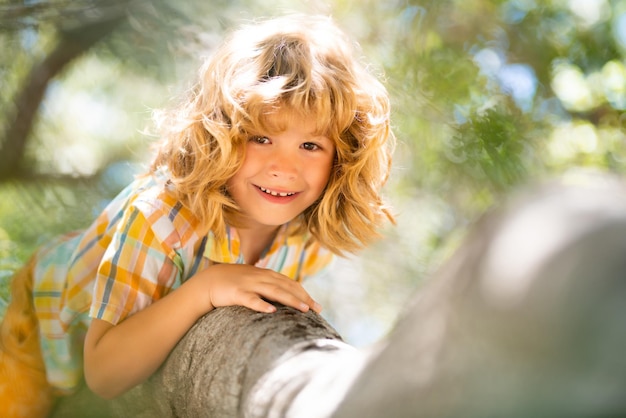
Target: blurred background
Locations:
point(487, 95)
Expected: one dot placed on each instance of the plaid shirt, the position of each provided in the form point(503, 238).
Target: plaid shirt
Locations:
point(142, 246)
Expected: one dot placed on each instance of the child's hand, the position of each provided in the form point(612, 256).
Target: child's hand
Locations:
point(246, 285)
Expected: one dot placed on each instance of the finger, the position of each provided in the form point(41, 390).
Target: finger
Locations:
point(285, 296)
point(311, 302)
point(316, 307)
point(299, 291)
point(295, 288)
point(256, 303)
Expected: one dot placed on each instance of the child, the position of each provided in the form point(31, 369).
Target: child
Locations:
point(272, 164)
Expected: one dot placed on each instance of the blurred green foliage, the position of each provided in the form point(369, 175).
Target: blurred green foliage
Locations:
point(487, 95)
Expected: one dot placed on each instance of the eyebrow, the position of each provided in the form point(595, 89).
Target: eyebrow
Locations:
point(318, 137)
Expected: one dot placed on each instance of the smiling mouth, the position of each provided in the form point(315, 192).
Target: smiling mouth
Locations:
point(273, 193)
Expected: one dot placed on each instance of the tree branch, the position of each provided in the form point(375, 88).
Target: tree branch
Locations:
point(216, 364)
point(72, 44)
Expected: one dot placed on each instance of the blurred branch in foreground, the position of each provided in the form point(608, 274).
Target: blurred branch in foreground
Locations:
point(74, 39)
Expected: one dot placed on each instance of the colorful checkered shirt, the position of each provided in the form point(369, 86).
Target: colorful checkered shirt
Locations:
point(142, 246)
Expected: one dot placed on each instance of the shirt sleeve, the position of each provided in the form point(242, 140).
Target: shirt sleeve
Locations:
point(139, 266)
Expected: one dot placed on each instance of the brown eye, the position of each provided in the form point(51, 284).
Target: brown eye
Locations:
point(310, 146)
point(260, 139)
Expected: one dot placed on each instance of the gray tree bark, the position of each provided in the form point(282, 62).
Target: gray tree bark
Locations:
point(217, 363)
point(525, 320)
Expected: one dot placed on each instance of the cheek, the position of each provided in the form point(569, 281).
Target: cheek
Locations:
point(324, 174)
point(247, 168)
point(233, 185)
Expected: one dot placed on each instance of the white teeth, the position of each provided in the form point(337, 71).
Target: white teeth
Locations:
point(273, 193)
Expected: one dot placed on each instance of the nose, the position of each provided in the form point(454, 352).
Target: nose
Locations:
point(283, 164)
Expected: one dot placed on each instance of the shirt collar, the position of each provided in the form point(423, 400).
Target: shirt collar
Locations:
point(227, 250)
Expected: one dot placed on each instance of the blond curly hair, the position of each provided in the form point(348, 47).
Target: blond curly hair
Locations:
point(304, 66)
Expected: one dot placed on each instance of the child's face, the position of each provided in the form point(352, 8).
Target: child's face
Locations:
point(282, 174)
